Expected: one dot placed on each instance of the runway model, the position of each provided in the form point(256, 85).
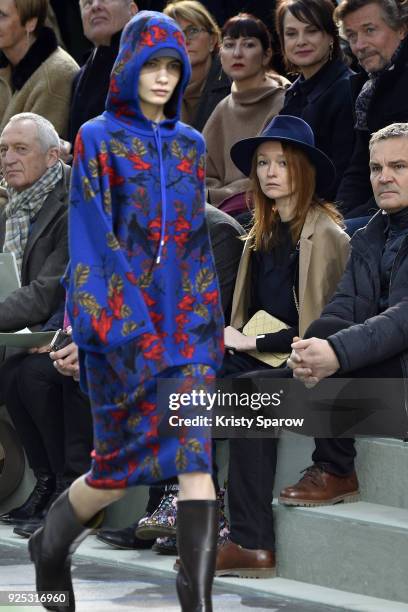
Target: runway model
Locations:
point(144, 304)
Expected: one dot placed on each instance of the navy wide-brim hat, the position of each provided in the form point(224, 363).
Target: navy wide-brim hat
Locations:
point(292, 130)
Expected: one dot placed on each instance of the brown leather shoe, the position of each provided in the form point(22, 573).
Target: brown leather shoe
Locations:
point(319, 488)
point(234, 560)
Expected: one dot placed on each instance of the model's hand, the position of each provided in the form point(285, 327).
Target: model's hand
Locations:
point(234, 339)
point(66, 360)
point(312, 360)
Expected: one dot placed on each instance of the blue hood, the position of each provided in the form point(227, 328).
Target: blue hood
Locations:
point(141, 263)
point(143, 35)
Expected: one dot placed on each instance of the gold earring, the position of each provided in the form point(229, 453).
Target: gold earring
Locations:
point(331, 46)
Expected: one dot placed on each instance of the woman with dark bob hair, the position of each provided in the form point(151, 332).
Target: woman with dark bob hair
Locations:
point(256, 96)
point(292, 261)
point(321, 94)
point(35, 73)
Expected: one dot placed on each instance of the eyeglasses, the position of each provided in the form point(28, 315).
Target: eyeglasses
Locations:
point(192, 32)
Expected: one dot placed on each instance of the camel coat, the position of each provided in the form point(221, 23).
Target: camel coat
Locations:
point(43, 89)
point(323, 253)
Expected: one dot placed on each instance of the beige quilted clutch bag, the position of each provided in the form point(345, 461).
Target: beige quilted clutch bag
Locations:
point(264, 323)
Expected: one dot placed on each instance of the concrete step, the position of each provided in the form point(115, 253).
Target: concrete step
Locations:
point(381, 464)
point(288, 590)
point(359, 547)
point(382, 468)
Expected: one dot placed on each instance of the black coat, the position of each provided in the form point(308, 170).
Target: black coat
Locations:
point(389, 104)
point(216, 88)
point(377, 335)
point(227, 248)
point(91, 84)
point(325, 102)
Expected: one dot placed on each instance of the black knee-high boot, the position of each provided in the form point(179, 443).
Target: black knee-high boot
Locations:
point(197, 531)
point(51, 548)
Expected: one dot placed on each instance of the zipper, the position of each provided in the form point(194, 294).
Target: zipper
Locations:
point(157, 138)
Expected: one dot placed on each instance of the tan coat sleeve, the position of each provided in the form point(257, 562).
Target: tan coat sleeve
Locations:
point(329, 254)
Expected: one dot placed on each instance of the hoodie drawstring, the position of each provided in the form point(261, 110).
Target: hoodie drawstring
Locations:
point(157, 138)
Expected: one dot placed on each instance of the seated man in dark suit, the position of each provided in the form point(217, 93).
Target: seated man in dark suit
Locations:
point(33, 226)
point(33, 222)
point(363, 331)
point(52, 417)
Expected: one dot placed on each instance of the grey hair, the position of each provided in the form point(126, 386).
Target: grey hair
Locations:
point(395, 12)
point(127, 2)
point(47, 134)
point(395, 130)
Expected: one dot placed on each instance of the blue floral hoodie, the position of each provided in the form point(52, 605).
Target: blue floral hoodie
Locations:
point(141, 263)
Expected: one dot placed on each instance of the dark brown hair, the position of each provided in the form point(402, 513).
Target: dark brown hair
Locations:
point(315, 12)
point(245, 24)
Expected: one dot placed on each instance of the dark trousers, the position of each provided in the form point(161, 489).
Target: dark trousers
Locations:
point(251, 471)
point(251, 476)
point(51, 415)
point(252, 465)
point(336, 455)
point(236, 364)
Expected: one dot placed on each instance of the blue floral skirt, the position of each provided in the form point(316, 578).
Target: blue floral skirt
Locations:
point(132, 443)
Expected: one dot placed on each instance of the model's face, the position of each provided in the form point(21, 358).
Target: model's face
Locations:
point(101, 19)
point(371, 39)
point(157, 81)
point(200, 43)
point(12, 33)
point(305, 46)
point(389, 173)
point(23, 160)
point(243, 58)
point(273, 175)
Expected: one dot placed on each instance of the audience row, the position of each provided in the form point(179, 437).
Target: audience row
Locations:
point(298, 152)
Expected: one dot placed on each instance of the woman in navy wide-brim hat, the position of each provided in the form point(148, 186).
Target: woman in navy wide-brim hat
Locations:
point(293, 258)
point(292, 131)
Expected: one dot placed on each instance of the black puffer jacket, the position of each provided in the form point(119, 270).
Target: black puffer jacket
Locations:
point(376, 336)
